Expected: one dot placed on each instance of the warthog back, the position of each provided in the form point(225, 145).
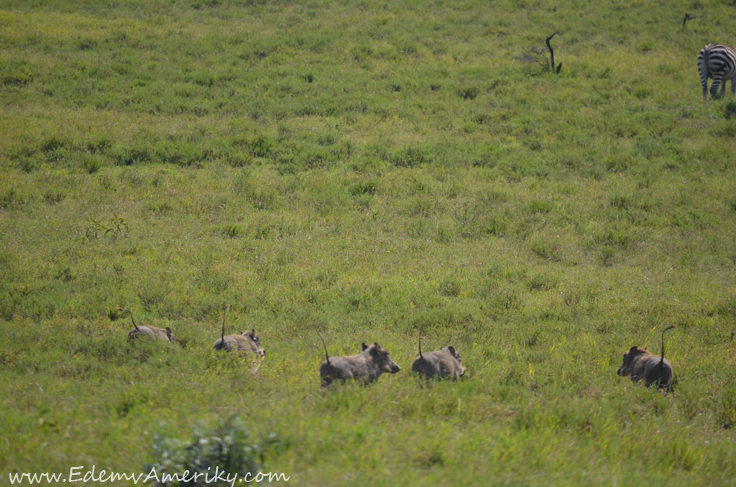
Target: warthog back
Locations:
point(152, 332)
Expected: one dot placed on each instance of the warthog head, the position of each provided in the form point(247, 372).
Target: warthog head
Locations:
point(454, 353)
point(629, 357)
point(255, 342)
point(382, 358)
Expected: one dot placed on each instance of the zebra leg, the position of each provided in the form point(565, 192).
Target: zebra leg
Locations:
point(714, 87)
point(704, 82)
point(723, 88)
point(733, 86)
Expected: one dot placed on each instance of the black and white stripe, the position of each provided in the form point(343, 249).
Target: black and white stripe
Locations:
point(718, 62)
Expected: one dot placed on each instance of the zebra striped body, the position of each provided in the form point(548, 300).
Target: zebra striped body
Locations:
point(717, 62)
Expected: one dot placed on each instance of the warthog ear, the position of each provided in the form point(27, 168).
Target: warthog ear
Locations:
point(364, 345)
point(253, 332)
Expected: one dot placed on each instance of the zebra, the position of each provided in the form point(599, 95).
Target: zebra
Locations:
point(718, 62)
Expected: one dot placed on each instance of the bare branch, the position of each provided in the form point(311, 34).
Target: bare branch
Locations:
point(551, 52)
point(687, 17)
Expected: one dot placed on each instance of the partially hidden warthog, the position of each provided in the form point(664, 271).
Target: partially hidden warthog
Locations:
point(246, 342)
point(150, 331)
point(366, 366)
point(442, 364)
point(640, 363)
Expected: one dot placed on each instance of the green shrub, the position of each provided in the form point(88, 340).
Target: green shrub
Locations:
point(228, 447)
point(730, 109)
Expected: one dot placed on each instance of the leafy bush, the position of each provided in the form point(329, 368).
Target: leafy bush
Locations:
point(227, 448)
point(730, 109)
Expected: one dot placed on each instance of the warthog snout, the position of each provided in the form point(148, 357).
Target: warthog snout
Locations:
point(623, 371)
point(391, 367)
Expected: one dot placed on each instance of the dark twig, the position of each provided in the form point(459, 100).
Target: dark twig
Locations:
point(551, 52)
point(687, 17)
point(552, 55)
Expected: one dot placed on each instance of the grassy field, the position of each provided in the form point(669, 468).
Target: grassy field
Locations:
point(384, 170)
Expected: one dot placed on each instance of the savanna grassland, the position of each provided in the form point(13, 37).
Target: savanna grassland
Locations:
point(384, 170)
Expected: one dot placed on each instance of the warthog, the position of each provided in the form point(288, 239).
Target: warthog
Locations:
point(366, 366)
point(150, 331)
point(640, 363)
point(244, 343)
point(442, 364)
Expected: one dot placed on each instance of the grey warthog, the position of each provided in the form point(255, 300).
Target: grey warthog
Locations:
point(442, 364)
point(246, 342)
point(640, 363)
point(366, 366)
point(150, 331)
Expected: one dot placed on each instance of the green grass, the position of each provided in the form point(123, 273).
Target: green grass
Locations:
point(384, 170)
